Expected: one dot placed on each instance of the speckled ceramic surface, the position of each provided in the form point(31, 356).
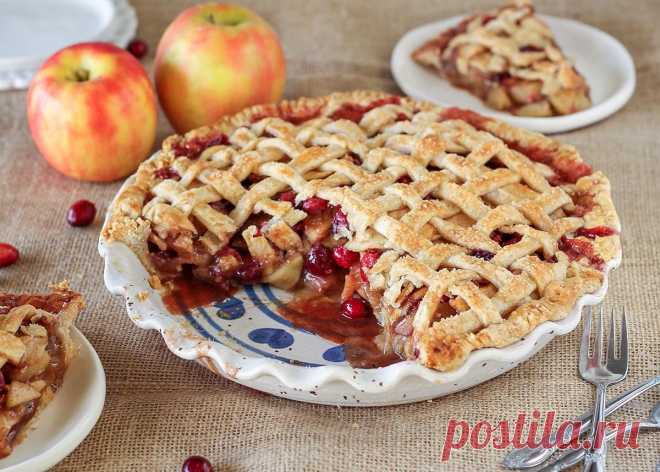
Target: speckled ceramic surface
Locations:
point(244, 339)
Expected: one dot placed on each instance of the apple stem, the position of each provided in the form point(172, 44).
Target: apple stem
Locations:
point(81, 75)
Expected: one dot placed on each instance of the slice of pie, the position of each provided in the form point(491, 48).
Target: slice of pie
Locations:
point(35, 351)
point(509, 58)
point(458, 232)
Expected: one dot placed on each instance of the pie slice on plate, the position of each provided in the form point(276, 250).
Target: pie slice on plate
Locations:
point(456, 231)
point(509, 58)
point(35, 352)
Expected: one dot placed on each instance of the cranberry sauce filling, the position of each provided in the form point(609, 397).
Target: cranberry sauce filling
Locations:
point(193, 147)
point(166, 173)
point(578, 248)
point(355, 112)
point(596, 231)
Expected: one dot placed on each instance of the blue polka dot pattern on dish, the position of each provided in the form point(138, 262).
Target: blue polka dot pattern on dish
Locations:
point(275, 338)
point(230, 309)
point(335, 354)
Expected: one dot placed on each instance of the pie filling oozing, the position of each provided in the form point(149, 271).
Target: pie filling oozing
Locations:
point(35, 350)
point(405, 230)
point(508, 57)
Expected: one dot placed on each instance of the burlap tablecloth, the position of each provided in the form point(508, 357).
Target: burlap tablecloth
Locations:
point(160, 409)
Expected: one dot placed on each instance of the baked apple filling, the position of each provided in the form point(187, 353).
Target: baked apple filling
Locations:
point(35, 350)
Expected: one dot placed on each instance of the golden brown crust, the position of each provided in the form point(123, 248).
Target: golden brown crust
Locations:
point(508, 57)
point(438, 347)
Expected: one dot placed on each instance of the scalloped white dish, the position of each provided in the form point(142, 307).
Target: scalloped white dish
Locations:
point(32, 30)
point(245, 340)
point(604, 62)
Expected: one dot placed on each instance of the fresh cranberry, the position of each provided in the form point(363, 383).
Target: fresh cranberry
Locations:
point(314, 205)
point(482, 254)
point(367, 260)
point(249, 272)
point(344, 258)
point(138, 48)
point(288, 196)
point(167, 173)
point(319, 261)
point(339, 221)
point(354, 308)
point(596, 231)
point(81, 213)
point(197, 464)
point(8, 254)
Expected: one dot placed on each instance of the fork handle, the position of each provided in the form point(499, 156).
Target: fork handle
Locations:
point(594, 459)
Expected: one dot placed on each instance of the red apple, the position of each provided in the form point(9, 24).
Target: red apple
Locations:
point(215, 60)
point(92, 112)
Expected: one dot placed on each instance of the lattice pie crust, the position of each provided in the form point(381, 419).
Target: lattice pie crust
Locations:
point(509, 58)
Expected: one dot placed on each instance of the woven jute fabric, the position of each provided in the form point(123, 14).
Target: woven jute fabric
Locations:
point(161, 409)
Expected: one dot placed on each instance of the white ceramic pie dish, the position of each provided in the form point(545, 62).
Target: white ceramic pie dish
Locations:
point(244, 340)
point(68, 419)
point(604, 62)
point(32, 30)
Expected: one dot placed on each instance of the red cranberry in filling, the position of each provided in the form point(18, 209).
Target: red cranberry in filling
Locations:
point(81, 213)
point(354, 308)
point(249, 272)
point(167, 173)
point(314, 205)
point(481, 254)
point(404, 179)
point(8, 254)
point(530, 48)
point(197, 464)
point(223, 206)
point(596, 231)
point(288, 196)
point(319, 261)
point(138, 48)
point(344, 258)
point(339, 221)
point(367, 260)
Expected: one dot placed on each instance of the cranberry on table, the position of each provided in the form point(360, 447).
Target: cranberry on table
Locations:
point(8, 254)
point(138, 48)
point(81, 213)
point(319, 261)
point(197, 464)
point(354, 308)
point(343, 257)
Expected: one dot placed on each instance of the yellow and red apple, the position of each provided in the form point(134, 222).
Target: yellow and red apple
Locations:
point(215, 60)
point(92, 112)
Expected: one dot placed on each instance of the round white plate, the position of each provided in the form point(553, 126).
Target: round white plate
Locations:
point(604, 62)
point(32, 30)
point(244, 339)
point(68, 419)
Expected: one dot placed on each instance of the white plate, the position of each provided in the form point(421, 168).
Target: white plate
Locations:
point(604, 61)
point(32, 30)
point(68, 419)
point(245, 340)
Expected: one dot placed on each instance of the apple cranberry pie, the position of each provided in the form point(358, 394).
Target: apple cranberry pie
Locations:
point(458, 232)
point(509, 58)
point(35, 351)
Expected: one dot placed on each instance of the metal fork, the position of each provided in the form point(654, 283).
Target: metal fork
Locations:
point(601, 374)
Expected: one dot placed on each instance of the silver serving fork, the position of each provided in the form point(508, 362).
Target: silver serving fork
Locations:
point(601, 374)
